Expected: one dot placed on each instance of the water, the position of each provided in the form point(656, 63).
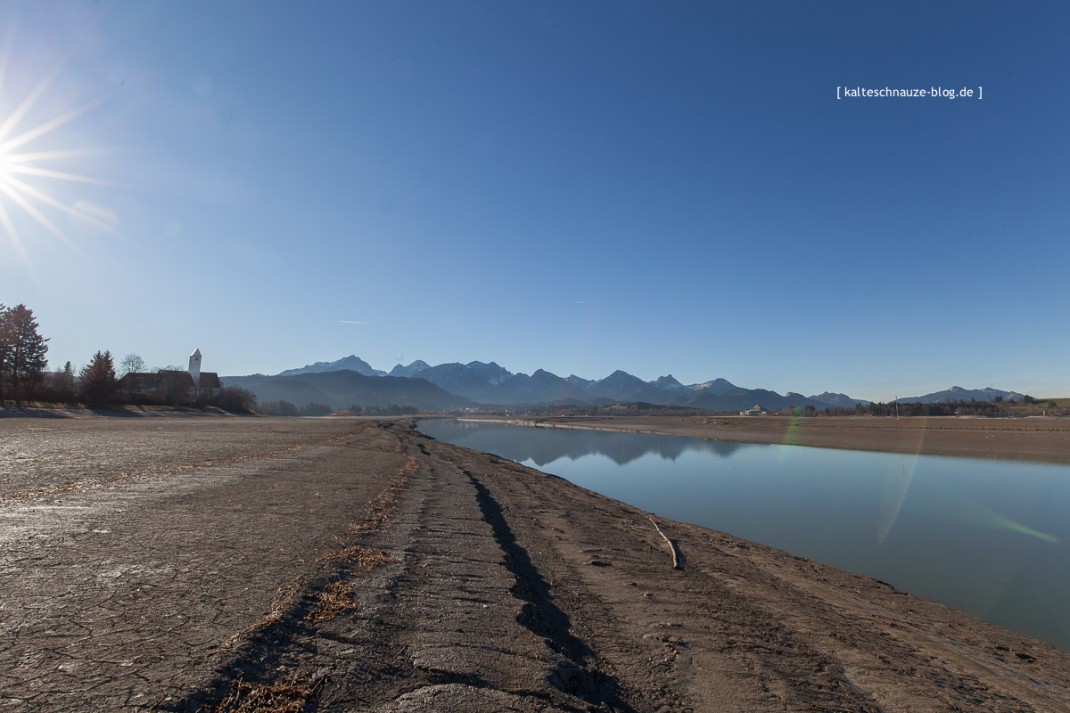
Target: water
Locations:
point(984, 536)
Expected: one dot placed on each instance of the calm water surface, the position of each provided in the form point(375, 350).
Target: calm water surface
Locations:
point(988, 537)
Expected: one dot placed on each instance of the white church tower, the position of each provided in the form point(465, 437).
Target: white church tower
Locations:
point(195, 367)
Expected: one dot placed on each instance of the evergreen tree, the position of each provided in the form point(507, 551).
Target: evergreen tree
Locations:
point(98, 379)
point(22, 350)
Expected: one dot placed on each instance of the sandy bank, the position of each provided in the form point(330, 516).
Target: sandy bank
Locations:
point(358, 566)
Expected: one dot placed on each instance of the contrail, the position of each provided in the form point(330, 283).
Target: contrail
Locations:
point(349, 321)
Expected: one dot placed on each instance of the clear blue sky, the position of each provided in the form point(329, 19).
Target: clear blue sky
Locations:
point(581, 187)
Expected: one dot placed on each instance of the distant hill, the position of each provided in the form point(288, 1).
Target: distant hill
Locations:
point(341, 389)
point(716, 387)
point(474, 380)
point(740, 399)
point(411, 370)
point(542, 387)
point(622, 387)
point(957, 393)
point(351, 362)
point(578, 382)
point(838, 400)
point(667, 383)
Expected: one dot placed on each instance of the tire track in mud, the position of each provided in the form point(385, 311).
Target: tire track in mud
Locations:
point(465, 616)
point(542, 616)
point(454, 617)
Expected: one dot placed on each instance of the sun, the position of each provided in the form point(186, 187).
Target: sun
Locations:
point(30, 172)
point(26, 176)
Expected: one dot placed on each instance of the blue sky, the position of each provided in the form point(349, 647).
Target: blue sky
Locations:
point(581, 187)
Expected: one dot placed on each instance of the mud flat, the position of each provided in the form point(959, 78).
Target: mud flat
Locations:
point(1045, 440)
point(355, 565)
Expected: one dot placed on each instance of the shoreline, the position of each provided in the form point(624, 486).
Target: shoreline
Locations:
point(1042, 440)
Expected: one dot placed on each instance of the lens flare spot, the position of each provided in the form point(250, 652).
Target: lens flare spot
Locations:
point(976, 513)
point(895, 494)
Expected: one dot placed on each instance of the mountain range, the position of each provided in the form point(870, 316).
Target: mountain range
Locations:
point(351, 380)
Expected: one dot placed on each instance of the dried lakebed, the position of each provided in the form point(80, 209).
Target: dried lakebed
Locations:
point(355, 565)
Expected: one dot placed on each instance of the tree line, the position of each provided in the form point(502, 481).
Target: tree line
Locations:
point(996, 407)
point(23, 375)
point(286, 408)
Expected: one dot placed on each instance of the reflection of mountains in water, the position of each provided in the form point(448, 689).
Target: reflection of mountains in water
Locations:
point(545, 445)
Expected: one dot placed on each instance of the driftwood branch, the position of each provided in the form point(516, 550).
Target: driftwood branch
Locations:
point(672, 547)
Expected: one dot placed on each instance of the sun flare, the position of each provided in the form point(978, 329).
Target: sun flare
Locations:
point(31, 171)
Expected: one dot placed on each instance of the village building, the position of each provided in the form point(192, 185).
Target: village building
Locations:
point(174, 386)
point(756, 411)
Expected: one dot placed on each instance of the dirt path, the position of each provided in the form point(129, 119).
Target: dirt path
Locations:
point(358, 566)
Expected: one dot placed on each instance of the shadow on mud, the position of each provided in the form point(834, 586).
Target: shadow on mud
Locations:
point(32, 413)
point(256, 658)
point(545, 619)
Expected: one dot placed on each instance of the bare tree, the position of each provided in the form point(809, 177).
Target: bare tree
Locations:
point(131, 364)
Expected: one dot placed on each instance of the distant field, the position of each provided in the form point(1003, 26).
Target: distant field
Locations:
point(1037, 439)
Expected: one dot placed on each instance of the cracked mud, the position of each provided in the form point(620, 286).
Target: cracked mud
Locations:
point(352, 565)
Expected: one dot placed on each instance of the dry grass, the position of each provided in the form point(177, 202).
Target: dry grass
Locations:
point(337, 598)
point(385, 504)
point(364, 557)
point(288, 696)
